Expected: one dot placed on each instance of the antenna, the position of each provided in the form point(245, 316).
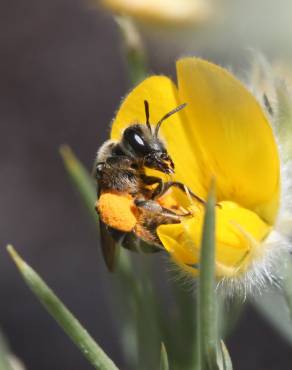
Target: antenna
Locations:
point(147, 114)
point(175, 110)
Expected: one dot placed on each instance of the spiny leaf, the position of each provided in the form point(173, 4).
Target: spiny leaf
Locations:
point(228, 314)
point(134, 50)
point(164, 358)
point(72, 327)
point(207, 323)
point(4, 355)
point(226, 360)
point(287, 283)
point(81, 179)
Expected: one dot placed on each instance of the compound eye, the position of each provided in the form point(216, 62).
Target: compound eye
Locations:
point(134, 140)
point(138, 140)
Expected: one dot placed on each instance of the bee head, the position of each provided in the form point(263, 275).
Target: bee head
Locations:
point(139, 143)
point(142, 142)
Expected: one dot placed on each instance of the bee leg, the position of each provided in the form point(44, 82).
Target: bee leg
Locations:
point(167, 185)
point(162, 187)
point(98, 168)
point(152, 180)
point(154, 207)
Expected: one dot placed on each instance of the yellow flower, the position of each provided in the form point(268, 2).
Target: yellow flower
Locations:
point(223, 133)
point(161, 11)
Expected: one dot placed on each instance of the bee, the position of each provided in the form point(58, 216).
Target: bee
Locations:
point(129, 201)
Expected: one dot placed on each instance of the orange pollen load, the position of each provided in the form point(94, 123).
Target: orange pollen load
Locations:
point(117, 210)
point(168, 201)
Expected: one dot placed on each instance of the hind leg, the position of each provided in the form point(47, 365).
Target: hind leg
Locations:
point(155, 208)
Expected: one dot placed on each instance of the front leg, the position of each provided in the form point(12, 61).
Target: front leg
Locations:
point(167, 185)
point(162, 187)
point(152, 180)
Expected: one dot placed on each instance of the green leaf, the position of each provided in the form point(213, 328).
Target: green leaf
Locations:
point(164, 358)
point(226, 363)
point(134, 49)
point(137, 66)
point(134, 295)
point(207, 323)
point(81, 179)
point(4, 355)
point(183, 318)
point(284, 119)
point(287, 284)
point(272, 306)
point(90, 349)
point(229, 313)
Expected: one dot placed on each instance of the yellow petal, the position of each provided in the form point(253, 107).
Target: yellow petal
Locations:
point(235, 139)
point(162, 96)
point(239, 233)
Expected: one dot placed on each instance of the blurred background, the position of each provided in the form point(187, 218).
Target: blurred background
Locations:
point(62, 75)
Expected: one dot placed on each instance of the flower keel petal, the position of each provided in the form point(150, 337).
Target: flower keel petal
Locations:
point(239, 234)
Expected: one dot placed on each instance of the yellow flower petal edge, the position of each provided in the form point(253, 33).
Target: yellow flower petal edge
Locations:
point(239, 233)
point(161, 11)
point(236, 140)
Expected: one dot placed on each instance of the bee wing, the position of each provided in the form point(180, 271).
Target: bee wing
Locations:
point(109, 246)
point(135, 244)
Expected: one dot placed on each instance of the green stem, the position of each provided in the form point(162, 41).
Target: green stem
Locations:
point(135, 53)
point(72, 327)
point(4, 355)
point(207, 323)
point(163, 358)
point(81, 179)
point(137, 66)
